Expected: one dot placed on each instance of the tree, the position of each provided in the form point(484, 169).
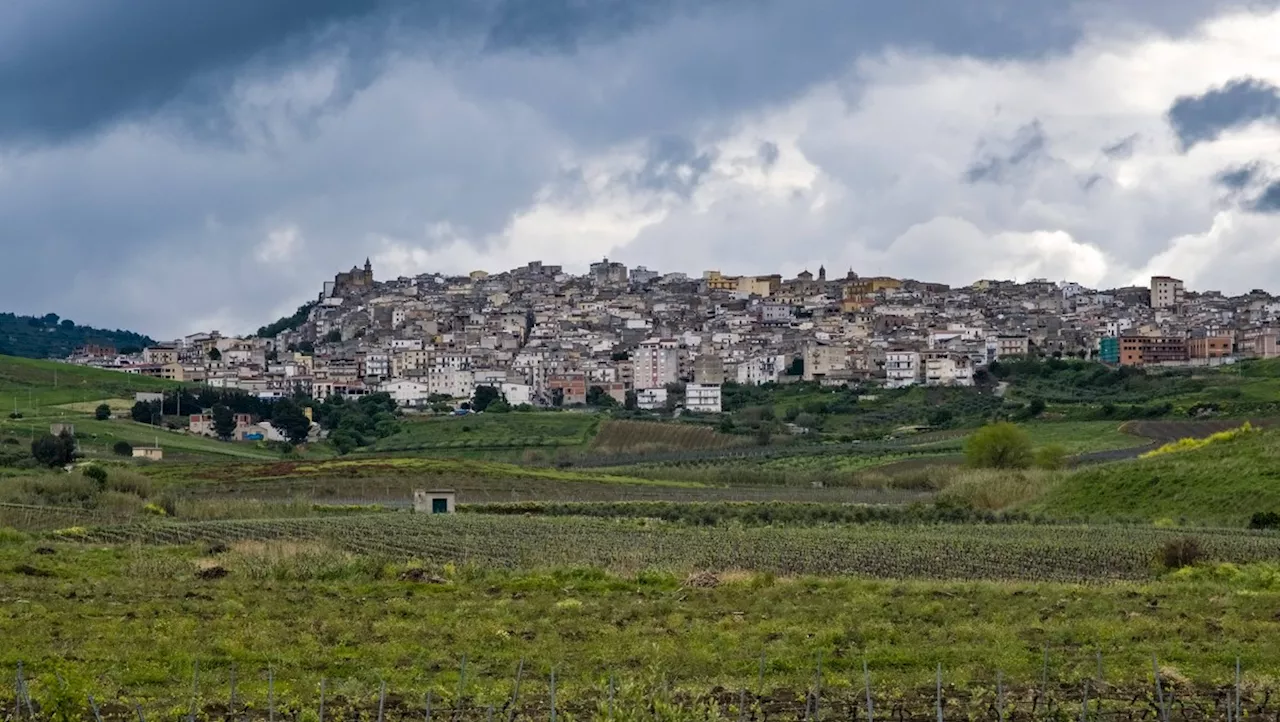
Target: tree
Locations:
point(557, 397)
point(484, 396)
point(344, 442)
point(597, 396)
point(214, 354)
point(102, 413)
point(53, 450)
point(145, 412)
point(224, 422)
point(796, 368)
point(289, 418)
point(940, 417)
point(334, 336)
point(1036, 408)
point(998, 446)
point(122, 448)
point(632, 401)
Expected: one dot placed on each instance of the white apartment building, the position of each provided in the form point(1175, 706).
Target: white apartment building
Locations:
point(377, 365)
point(703, 398)
point(901, 368)
point(762, 369)
point(406, 393)
point(451, 382)
point(517, 394)
point(657, 363)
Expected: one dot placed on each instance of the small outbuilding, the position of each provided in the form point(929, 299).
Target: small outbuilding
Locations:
point(57, 429)
point(438, 501)
point(151, 453)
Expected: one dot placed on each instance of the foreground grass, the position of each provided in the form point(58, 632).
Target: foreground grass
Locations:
point(130, 624)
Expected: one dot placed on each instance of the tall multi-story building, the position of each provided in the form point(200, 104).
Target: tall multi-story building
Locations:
point(901, 368)
point(708, 368)
point(1166, 292)
point(657, 363)
point(821, 359)
point(1145, 350)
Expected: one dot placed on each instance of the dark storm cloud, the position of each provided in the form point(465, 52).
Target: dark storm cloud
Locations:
point(1240, 177)
point(1238, 103)
point(453, 112)
point(69, 67)
point(1027, 144)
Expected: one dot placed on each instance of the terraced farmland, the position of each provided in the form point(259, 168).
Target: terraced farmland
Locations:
point(1058, 553)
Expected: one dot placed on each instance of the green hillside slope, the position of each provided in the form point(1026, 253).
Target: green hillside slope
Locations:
point(1223, 483)
point(34, 384)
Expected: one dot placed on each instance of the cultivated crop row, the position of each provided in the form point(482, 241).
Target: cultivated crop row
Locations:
point(1058, 553)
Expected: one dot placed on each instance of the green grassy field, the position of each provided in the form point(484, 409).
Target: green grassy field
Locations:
point(36, 385)
point(129, 624)
point(511, 430)
point(1222, 483)
point(1080, 437)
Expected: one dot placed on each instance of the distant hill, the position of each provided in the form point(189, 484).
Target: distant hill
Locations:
point(50, 336)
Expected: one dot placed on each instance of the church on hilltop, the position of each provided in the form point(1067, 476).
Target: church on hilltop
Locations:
point(353, 280)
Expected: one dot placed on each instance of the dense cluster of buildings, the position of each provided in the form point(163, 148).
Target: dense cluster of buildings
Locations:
point(542, 336)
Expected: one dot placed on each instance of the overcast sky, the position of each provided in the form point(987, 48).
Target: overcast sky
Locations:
point(180, 165)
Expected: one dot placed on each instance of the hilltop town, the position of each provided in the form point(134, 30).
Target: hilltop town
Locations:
point(652, 340)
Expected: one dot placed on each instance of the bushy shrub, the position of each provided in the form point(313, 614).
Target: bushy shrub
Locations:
point(1051, 457)
point(1181, 552)
point(98, 474)
point(1264, 520)
point(122, 448)
point(998, 446)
